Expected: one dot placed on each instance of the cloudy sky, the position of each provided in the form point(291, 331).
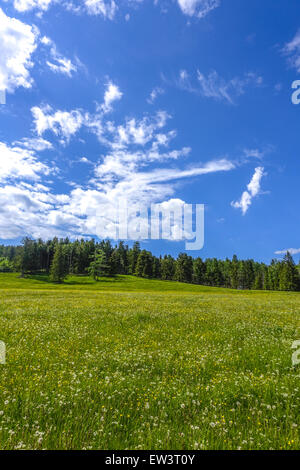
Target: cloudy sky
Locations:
point(152, 101)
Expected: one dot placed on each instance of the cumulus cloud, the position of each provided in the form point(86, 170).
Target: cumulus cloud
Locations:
point(131, 169)
point(30, 209)
point(100, 7)
point(253, 189)
point(63, 124)
point(18, 42)
point(20, 163)
point(26, 5)
point(112, 93)
point(198, 8)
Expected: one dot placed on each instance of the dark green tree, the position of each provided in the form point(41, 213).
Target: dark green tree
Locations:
point(144, 265)
point(99, 267)
point(184, 268)
point(234, 275)
point(199, 271)
point(59, 266)
point(289, 276)
point(168, 265)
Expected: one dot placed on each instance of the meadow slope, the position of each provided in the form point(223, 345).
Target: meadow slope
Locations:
point(128, 363)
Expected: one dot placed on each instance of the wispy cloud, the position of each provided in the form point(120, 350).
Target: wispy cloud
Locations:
point(37, 144)
point(215, 87)
point(107, 9)
point(292, 51)
point(253, 189)
point(198, 8)
point(154, 94)
point(132, 168)
point(292, 251)
point(58, 63)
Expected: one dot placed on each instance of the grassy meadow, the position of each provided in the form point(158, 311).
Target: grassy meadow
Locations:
point(127, 363)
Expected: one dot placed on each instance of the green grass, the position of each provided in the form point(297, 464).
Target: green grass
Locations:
point(127, 363)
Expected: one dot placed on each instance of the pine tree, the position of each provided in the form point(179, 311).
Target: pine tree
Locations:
point(184, 268)
point(156, 273)
point(289, 276)
point(133, 257)
point(59, 266)
point(199, 271)
point(168, 268)
point(29, 262)
point(99, 267)
point(144, 265)
point(234, 272)
point(258, 281)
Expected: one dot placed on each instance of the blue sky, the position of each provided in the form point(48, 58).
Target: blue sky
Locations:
point(163, 101)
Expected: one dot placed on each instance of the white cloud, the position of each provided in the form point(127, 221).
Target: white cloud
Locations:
point(85, 160)
point(62, 65)
point(59, 64)
point(292, 251)
point(112, 93)
point(292, 51)
point(131, 168)
point(37, 144)
point(253, 189)
point(95, 208)
point(89, 211)
point(18, 42)
point(154, 94)
point(254, 153)
point(215, 87)
point(138, 132)
point(20, 163)
point(100, 7)
point(107, 9)
point(26, 5)
point(198, 8)
point(32, 210)
point(63, 124)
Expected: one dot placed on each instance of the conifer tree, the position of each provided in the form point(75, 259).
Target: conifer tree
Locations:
point(289, 276)
point(59, 266)
point(234, 272)
point(184, 268)
point(99, 267)
point(167, 268)
point(199, 271)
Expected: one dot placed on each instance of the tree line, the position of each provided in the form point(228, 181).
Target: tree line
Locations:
point(60, 257)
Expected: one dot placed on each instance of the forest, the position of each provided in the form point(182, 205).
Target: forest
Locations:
point(60, 257)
